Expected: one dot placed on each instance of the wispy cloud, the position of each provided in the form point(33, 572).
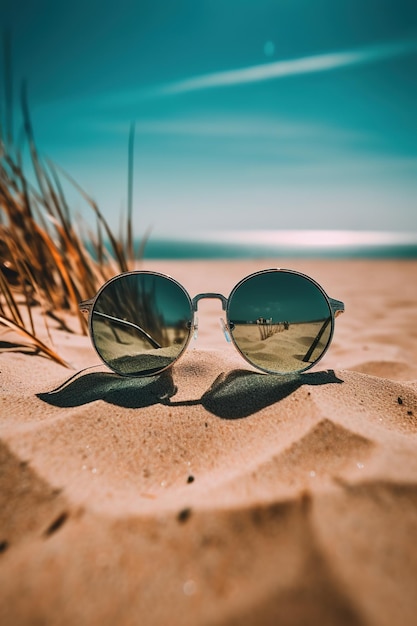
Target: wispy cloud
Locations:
point(292, 67)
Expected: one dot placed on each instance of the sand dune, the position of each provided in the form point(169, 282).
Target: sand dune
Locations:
point(215, 494)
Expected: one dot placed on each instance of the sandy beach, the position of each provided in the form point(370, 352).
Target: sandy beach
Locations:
point(215, 494)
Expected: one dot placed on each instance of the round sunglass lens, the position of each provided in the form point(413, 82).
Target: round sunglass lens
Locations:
point(280, 321)
point(141, 323)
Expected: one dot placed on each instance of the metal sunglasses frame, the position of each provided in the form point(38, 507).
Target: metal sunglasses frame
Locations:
point(336, 307)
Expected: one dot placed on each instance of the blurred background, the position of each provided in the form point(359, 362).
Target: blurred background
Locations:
point(250, 115)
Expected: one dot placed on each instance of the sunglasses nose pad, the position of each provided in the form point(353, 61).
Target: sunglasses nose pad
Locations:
point(225, 330)
point(195, 327)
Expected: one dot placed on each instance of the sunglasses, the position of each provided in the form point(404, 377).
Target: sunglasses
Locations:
point(280, 321)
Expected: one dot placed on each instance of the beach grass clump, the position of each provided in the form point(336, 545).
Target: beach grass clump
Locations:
point(47, 259)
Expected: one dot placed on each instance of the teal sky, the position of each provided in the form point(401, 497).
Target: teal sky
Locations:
point(255, 114)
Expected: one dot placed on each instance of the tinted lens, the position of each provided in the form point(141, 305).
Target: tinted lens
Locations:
point(280, 321)
point(140, 323)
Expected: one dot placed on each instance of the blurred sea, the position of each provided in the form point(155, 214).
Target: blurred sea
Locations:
point(290, 243)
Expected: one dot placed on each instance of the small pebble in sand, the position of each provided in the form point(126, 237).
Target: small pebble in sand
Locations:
point(184, 515)
point(189, 588)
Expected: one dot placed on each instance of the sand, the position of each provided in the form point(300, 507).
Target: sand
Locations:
point(216, 494)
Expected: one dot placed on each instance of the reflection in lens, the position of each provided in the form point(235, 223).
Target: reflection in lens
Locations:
point(280, 321)
point(141, 323)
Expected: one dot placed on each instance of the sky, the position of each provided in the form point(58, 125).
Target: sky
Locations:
point(249, 114)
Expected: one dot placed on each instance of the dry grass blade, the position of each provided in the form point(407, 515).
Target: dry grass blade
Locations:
point(35, 341)
point(129, 233)
point(8, 87)
point(9, 301)
point(27, 285)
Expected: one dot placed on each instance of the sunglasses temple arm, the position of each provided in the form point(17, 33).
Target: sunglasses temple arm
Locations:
point(337, 307)
point(85, 307)
point(313, 346)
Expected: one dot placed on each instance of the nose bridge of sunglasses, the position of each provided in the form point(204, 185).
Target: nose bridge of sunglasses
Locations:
point(210, 296)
